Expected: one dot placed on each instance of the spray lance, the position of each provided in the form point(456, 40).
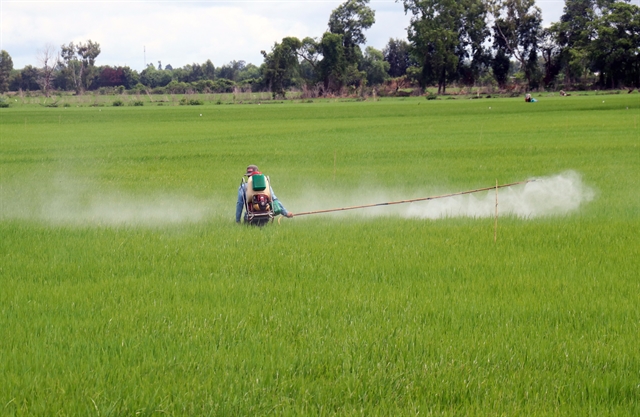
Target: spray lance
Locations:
point(305, 213)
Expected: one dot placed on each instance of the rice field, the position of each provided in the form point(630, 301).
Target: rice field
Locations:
point(128, 289)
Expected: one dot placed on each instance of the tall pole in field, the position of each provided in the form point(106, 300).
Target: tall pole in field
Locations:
point(495, 227)
point(335, 153)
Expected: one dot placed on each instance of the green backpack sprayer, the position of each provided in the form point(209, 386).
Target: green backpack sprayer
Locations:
point(259, 203)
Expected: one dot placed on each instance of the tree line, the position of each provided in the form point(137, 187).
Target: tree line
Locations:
point(461, 42)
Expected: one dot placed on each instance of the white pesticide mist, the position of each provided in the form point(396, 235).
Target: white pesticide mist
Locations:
point(65, 200)
point(555, 195)
point(548, 196)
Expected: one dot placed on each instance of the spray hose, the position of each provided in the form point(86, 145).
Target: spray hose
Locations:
point(495, 187)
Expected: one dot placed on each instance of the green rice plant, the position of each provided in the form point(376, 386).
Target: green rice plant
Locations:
point(127, 287)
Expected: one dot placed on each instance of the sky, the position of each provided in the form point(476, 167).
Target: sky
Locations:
point(140, 32)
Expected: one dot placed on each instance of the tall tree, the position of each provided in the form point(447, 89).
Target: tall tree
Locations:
point(473, 54)
point(615, 51)
point(79, 61)
point(111, 77)
point(208, 70)
point(517, 30)
point(396, 53)
point(332, 69)
point(350, 20)
point(500, 66)
point(230, 71)
point(340, 47)
point(444, 35)
point(152, 77)
point(6, 66)
point(573, 34)
point(281, 64)
point(374, 66)
point(29, 76)
point(196, 73)
point(551, 55)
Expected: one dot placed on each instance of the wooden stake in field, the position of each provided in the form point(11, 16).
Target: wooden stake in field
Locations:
point(334, 165)
point(495, 227)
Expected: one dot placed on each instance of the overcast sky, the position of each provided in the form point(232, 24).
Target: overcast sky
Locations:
point(135, 32)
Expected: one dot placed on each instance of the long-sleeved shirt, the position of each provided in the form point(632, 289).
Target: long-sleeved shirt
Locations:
point(242, 192)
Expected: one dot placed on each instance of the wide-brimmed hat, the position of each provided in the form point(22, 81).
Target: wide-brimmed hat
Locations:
point(251, 169)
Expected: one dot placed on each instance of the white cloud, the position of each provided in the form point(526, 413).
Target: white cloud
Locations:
point(181, 32)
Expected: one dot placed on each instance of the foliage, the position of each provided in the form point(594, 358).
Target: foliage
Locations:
point(117, 76)
point(350, 20)
point(615, 51)
point(232, 70)
point(517, 31)
point(6, 66)
point(208, 71)
point(185, 101)
point(374, 66)
point(118, 103)
point(339, 47)
point(572, 34)
point(551, 55)
point(444, 35)
point(500, 66)
point(396, 53)
point(281, 65)
point(595, 44)
point(152, 77)
point(332, 69)
point(79, 62)
point(28, 79)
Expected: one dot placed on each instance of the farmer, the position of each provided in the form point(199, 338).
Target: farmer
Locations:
point(242, 196)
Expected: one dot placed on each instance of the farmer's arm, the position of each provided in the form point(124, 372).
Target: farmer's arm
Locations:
point(284, 211)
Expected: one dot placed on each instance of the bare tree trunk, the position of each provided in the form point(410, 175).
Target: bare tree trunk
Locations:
point(49, 59)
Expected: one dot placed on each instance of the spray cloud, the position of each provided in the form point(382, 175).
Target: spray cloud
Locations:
point(66, 201)
point(546, 196)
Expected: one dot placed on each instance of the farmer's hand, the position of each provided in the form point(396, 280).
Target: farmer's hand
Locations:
point(289, 215)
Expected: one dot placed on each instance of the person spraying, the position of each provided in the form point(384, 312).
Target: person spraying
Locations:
point(257, 199)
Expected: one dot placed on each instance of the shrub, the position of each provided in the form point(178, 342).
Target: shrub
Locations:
point(118, 103)
point(138, 103)
point(191, 102)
